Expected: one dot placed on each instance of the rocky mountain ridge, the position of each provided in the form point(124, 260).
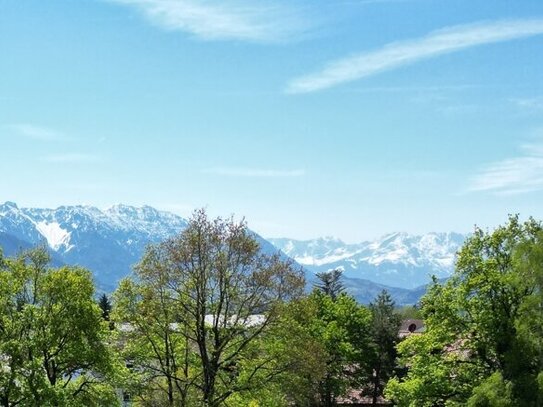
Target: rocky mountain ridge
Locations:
point(396, 259)
point(109, 242)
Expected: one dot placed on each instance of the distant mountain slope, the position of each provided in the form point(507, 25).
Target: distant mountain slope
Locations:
point(12, 245)
point(397, 260)
point(107, 242)
point(365, 291)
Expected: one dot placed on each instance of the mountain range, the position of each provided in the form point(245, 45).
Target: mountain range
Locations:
point(109, 242)
point(396, 259)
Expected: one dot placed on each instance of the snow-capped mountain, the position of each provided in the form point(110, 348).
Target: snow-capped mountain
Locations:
point(397, 259)
point(107, 242)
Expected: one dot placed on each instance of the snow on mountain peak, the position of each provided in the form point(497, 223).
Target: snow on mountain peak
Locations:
point(55, 235)
point(109, 242)
point(57, 226)
point(381, 259)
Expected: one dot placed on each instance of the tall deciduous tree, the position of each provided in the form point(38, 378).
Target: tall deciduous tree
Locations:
point(343, 328)
point(482, 338)
point(223, 294)
point(151, 342)
point(53, 341)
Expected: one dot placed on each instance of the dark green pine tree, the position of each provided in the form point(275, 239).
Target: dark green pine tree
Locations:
point(385, 325)
point(330, 283)
point(105, 305)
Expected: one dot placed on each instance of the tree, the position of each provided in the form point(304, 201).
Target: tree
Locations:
point(482, 327)
point(528, 259)
point(330, 283)
point(53, 342)
point(151, 342)
point(298, 357)
point(105, 305)
point(222, 293)
point(343, 328)
point(385, 324)
point(301, 351)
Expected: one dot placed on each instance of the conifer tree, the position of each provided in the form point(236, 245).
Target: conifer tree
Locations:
point(384, 334)
point(105, 305)
point(330, 283)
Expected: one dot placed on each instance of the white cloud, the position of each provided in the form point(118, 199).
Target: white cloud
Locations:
point(513, 175)
point(254, 172)
point(71, 158)
point(36, 132)
point(248, 20)
point(397, 54)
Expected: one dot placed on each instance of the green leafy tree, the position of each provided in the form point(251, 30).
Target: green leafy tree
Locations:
point(385, 324)
point(529, 326)
point(151, 342)
point(299, 362)
point(53, 341)
point(343, 328)
point(302, 351)
point(483, 325)
point(223, 294)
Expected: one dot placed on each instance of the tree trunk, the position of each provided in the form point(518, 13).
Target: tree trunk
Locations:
point(376, 382)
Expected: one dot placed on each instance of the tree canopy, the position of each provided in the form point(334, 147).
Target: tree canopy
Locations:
point(210, 320)
point(199, 304)
point(483, 335)
point(53, 342)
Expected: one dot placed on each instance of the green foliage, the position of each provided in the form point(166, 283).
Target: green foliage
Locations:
point(343, 329)
point(385, 323)
point(301, 353)
point(199, 312)
point(151, 343)
point(492, 392)
point(53, 343)
point(483, 327)
point(208, 320)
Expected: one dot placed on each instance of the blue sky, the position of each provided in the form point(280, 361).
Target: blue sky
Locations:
point(310, 118)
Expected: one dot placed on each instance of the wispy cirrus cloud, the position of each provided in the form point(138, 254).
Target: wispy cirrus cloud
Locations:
point(402, 53)
point(71, 158)
point(254, 172)
point(246, 20)
point(516, 175)
point(34, 132)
